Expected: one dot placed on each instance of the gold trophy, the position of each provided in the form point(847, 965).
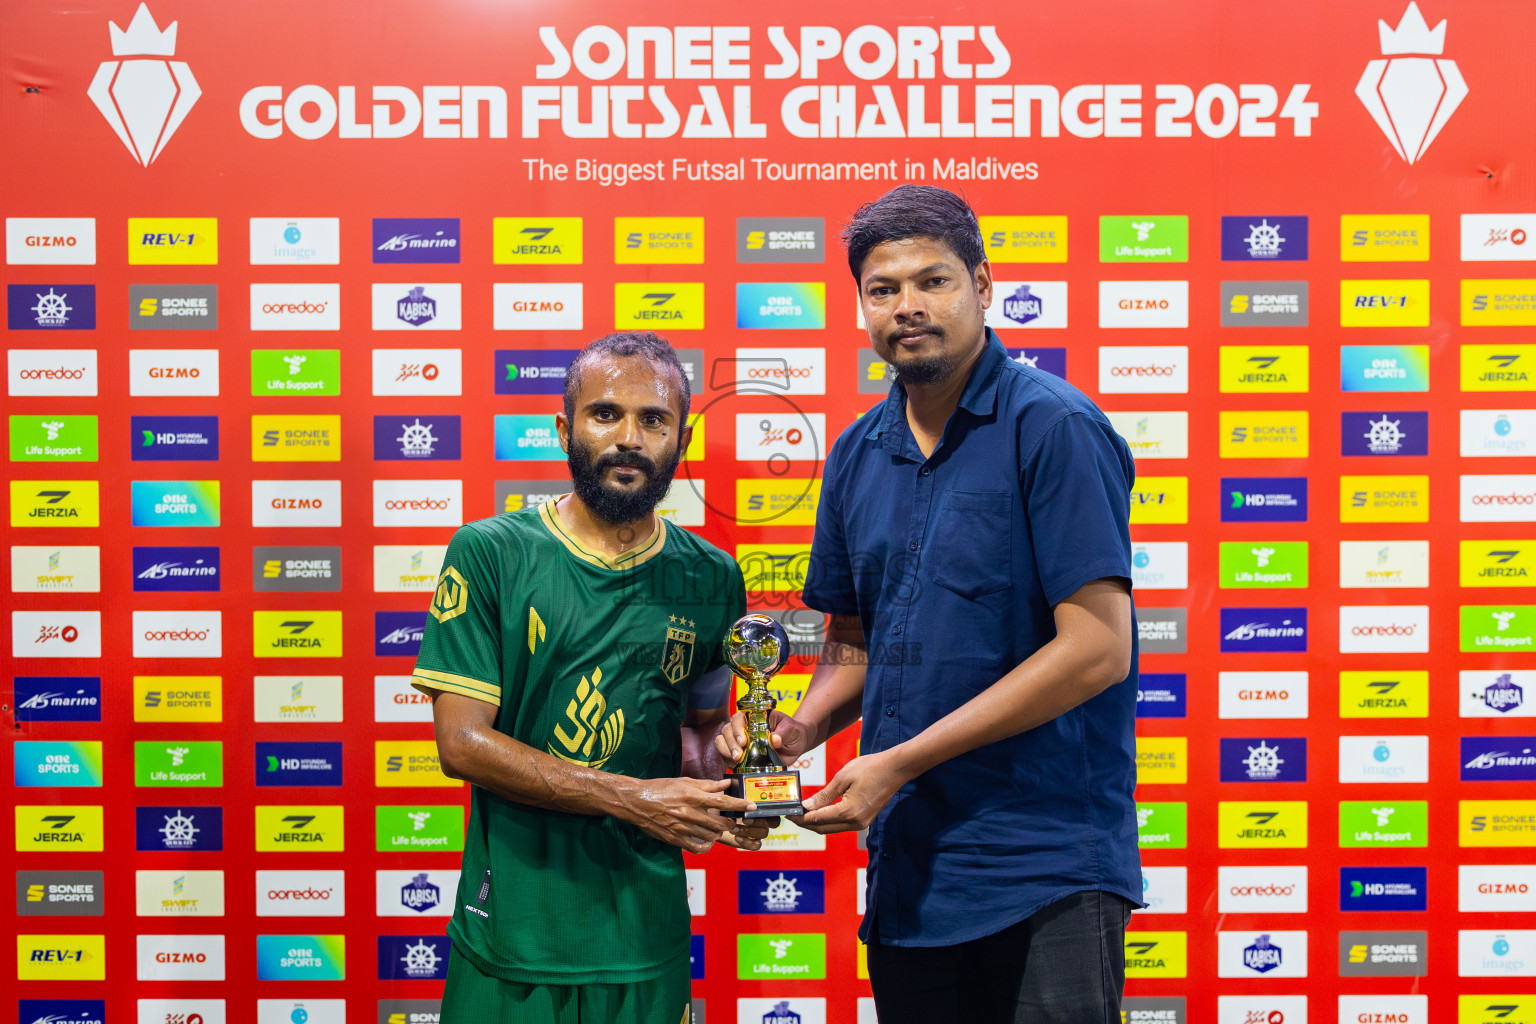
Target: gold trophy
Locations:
point(756, 648)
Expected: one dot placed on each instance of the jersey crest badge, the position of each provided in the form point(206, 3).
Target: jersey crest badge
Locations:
point(677, 653)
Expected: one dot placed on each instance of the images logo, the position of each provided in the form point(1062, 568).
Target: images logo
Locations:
point(1411, 97)
point(415, 240)
point(295, 240)
point(144, 100)
point(50, 307)
point(1263, 238)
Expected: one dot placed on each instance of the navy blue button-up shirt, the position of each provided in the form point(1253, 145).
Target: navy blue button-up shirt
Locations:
point(953, 563)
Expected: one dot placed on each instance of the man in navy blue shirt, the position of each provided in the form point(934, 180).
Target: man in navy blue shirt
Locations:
point(972, 553)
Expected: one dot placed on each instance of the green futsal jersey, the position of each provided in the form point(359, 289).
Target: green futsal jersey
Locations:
point(589, 659)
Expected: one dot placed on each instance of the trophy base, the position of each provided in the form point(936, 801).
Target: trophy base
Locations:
point(777, 794)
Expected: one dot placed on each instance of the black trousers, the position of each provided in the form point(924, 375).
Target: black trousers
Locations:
point(1064, 964)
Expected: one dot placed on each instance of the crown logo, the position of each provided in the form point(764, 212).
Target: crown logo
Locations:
point(1412, 35)
point(1411, 97)
point(144, 38)
point(146, 98)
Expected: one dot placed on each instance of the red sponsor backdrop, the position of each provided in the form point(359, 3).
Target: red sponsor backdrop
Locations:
point(1146, 156)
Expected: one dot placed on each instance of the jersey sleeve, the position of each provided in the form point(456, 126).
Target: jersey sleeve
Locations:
point(1077, 483)
point(461, 650)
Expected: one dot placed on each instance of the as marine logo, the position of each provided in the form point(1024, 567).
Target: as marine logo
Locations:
point(451, 598)
point(592, 738)
point(677, 653)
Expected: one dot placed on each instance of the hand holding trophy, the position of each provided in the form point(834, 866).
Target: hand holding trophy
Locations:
point(757, 647)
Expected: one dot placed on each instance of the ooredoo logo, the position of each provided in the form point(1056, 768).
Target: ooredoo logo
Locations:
point(300, 894)
point(418, 503)
point(179, 634)
point(1136, 369)
point(295, 307)
point(1402, 629)
point(1257, 890)
point(796, 371)
point(40, 371)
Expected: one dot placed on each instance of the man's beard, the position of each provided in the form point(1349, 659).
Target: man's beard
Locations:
point(608, 503)
point(930, 369)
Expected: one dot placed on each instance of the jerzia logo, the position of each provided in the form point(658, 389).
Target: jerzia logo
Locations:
point(144, 100)
point(1411, 97)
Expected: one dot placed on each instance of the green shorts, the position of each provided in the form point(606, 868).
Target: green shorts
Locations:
point(473, 997)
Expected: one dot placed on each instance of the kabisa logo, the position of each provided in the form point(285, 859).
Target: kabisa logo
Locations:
point(57, 699)
point(1262, 956)
point(416, 307)
point(179, 828)
point(1501, 696)
point(419, 894)
point(1411, 97)
point(144, 99)
point(415, 240)
point(1022, 307)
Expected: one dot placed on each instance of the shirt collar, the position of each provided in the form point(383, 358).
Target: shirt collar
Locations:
point(978, 399)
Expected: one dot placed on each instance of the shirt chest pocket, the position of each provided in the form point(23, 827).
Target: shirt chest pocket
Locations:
point(970, 543)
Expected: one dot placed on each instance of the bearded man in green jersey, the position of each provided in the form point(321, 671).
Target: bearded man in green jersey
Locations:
point(573, 658)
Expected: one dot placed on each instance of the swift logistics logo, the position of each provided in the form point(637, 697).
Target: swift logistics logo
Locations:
point(55, 569)
point(302, 698)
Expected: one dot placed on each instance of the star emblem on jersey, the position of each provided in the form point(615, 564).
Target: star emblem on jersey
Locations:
point(144, 101)
point(1411, 91)
point(677, 652)
point(592, 738)
point(451, 599)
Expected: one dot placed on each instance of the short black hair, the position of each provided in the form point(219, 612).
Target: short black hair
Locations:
point(914, 211)
point(648, 344)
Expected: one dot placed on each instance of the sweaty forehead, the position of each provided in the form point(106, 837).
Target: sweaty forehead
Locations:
point(627, 380)
point(905, 255)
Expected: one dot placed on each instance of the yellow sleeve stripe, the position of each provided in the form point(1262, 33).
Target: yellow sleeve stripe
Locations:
point(448, 681)
point(431, 686)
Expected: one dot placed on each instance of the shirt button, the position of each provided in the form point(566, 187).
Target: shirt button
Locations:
point(884, 855)
point(890, 711)
point(913, 545)
point(896, 630)
point(925, 471)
